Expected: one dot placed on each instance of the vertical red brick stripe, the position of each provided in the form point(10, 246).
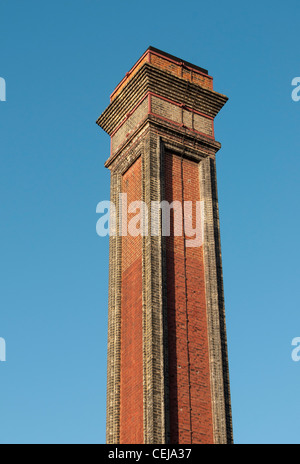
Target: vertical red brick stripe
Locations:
point(189, 375)
point(131, 388)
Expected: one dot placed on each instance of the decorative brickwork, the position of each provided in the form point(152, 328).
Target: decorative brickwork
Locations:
point(154, 400)
point(114, 326)
point(168, 378)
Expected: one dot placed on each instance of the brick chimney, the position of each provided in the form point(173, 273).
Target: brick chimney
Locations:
point(168, 379)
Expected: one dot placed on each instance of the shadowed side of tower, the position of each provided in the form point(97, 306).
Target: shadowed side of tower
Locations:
point(168, 379)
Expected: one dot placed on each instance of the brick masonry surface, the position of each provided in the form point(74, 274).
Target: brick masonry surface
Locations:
point(131, 387)
point(189, 373)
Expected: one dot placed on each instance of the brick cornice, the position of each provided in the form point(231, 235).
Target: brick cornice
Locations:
point(151, 79)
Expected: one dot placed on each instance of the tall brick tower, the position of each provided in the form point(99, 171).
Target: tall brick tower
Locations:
point(168, 379)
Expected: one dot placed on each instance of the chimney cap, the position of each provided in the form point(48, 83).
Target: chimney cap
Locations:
point(179, 60)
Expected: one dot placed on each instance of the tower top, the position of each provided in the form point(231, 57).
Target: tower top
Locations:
point(165, 89)
point(175, 58)
point(189, 101)
point(171, 64)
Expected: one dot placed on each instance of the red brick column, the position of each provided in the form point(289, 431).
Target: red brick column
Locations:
point(131, 385)
point(189, 373)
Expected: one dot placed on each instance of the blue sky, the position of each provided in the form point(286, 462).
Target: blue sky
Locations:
point(61, 61)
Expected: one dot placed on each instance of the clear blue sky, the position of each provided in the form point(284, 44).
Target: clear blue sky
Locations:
point(61, 61)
